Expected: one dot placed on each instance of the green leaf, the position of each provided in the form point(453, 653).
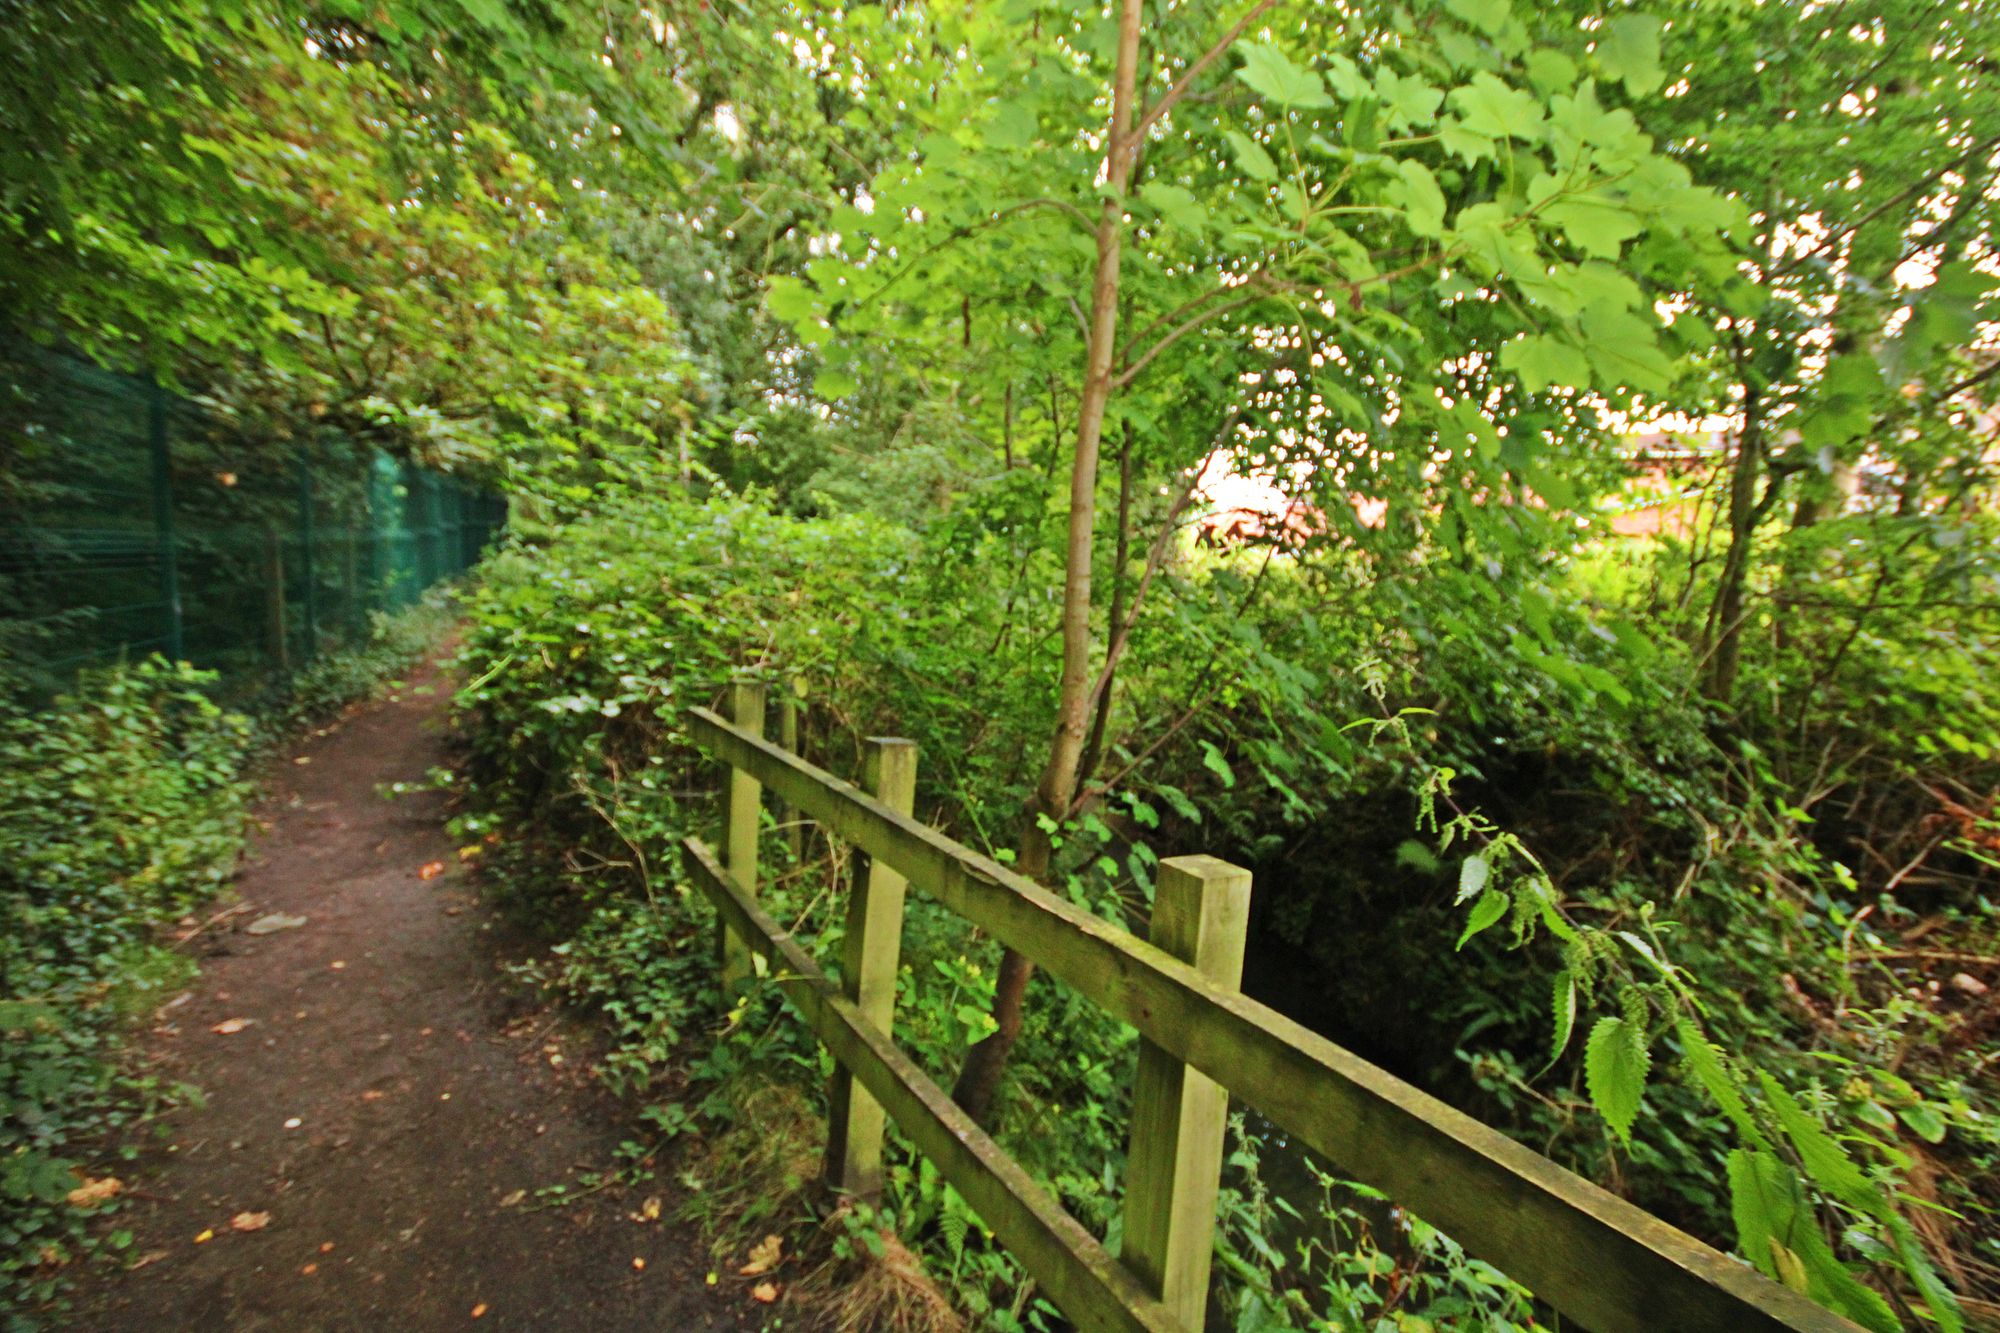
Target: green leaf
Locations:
point(1543, 359)
point(1416, 192)
point(1490, 107)
point(1564, 1010)
point(1492, 905)
point(1624, 348)
point(1594, 224)
point(791, 300)
point(1629, 51)
point(1250, 156)
point(1212, 760)
point(1488, 16)
point(832, 382)
point(1176, 205)
point(1407, 101)
point(1472, 876)
point(1551, 71)
point(1827, 1164)
point(1272, 74)
point(1704, 1061)
point(1615, 1062)
point(1012, 126)
point(1777, 1232)
point(1925, 1123)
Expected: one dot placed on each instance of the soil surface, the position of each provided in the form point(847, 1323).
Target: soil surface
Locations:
point(377, 1127)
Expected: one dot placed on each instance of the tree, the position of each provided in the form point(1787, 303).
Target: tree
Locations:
point(1418, 257)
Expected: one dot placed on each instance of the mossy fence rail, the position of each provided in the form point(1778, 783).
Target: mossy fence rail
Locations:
point(1594, 1257)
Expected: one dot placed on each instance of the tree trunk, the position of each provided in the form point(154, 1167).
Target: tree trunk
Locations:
point(1726, 616)
point(979, 1080)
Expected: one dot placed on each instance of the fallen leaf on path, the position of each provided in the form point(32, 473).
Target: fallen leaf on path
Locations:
point(303, 759)
point(250, 1221)
point(639, 1264)
point(326, 1247)
point(229, 1027)
point(431, 870)
point(479, 1310)
point(765, 1292)
point(763, 1257)
point(514, 1199)
point(372, 1095)
point(649, 1211)
point(145, 1260)
point(207, 1235)
point(337, 964)
point(93, 1192)
point(467, 853)
point(310, 1269)
point(276, 921)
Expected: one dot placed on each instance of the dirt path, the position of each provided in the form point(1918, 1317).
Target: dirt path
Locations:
point(388, 1102)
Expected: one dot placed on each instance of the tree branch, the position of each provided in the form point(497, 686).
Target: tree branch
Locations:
point(1195, 71)
point(1186, 327)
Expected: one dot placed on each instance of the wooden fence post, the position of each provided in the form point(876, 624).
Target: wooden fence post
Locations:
point(791, 705)
point(871, 953)
point(1201, 911)
point(744, 814)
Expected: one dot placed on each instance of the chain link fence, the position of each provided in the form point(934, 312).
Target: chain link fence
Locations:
point(132, 522)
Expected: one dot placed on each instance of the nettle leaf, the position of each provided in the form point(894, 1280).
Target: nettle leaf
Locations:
point(1826, 1162)
point(1272, 74)
point(1250, 156)
point(1543, 360)
point(1777, 1232)
point(1488, 106)
point(1629, 51)
point(1564, 1011)
point(1615, 1063)
point(1492, 905)
point(1472, 876)
point(1704, 1061)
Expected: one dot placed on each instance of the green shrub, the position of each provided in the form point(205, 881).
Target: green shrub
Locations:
point(121, 809)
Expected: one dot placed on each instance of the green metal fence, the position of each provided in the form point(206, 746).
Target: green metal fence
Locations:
point(134, 522)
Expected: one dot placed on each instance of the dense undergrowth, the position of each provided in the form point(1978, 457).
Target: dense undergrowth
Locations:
point(123, 807)
point(1309, 746)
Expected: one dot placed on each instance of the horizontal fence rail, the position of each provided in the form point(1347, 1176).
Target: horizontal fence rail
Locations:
point(1595, 1257)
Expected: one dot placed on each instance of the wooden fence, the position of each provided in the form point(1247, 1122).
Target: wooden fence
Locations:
point(1594, 1257)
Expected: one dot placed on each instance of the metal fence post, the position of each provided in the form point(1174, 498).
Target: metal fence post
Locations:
point(871, 953)
point(1201, 913)
point(308, 571)
point(163, 518)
